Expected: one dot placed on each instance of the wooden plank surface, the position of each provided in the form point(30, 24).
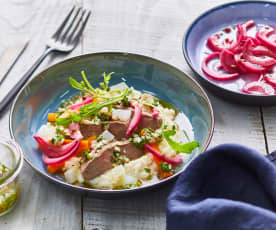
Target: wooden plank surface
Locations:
point(149, 27)
point(269, 116)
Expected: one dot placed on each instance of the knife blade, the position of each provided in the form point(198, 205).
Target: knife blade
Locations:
point(9, 57)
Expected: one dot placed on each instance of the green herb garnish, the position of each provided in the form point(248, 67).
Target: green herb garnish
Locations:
point(89, 110)
point(155, 101)
point(139, 141)
point(84, 86)
point(99, 138)
point(94, 108)
point(87, 88)
point(129, 186)
point(86, 155)
point(148, 170)
point(66, 121)
point(165, 167)
point(104, 84)
point(179, 147)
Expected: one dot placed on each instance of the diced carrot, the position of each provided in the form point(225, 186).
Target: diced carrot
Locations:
point(155, 146)
point(84, 145)
point(166, 174)
point(157, 161)
point(52, 117)
point(90, 139)
point(142, 131)
point(97, 99)
point(55, 168)
point(58, 167)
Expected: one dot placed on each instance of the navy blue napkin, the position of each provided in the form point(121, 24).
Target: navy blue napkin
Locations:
point(229, 187)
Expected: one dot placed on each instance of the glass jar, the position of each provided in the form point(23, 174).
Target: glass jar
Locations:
point(11, 162)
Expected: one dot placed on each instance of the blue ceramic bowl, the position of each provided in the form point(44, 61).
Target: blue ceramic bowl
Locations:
point(213, 21)
point(47, 90)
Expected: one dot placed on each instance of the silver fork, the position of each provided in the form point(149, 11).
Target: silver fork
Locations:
point(65, 39)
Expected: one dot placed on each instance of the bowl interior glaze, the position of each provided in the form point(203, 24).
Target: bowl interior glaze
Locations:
point(48, 89)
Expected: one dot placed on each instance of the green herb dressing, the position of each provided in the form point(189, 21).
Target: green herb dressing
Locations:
point(8, 192)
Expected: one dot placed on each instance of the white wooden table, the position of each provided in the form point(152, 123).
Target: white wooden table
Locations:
point(149, 27)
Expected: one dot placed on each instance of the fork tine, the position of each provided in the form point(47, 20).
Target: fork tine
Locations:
point(79, 29)
point(76, 26)
point(71, 24)
point(63, 23)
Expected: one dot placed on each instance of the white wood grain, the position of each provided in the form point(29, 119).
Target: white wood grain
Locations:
point(269, 115)
point(237, 124)
point(144, 211)
point(42, 205)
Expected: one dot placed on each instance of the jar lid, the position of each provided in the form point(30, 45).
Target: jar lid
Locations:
point(10, 159)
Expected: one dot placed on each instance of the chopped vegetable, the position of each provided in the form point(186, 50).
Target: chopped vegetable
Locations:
point(227, 61)
point(83, 85)
point(86, 155)
point(214, 45)
point(66, 121)
point(89, 110)
point(263, 51)
point(135, 119)
point(263, 36)
point(271, 79)
point(182, 148)
point(57, 160)
point(52, 117)
point(165, 166)
point(55, 168)
point(94, 108)
point(121, 114)
point(148, 170)
point(174, 160)
point(51, 150)
point(107, 135)
point(8, 196)
point(74, 129)
point(157, 161)
point(104, 84)
point(84, 145)
point(155, 113)
point(264, 61)
point(258, 88)
point(87, 100)
point(251, 67)
point(215, 75)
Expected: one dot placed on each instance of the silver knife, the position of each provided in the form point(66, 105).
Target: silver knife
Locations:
point(9, 57)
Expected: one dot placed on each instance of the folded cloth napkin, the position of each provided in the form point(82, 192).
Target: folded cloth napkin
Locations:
point(228, 187)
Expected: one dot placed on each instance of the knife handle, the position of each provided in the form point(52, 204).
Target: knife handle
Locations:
point(11, 94)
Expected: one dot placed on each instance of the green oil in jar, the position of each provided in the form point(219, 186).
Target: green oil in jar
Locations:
point(10, 165)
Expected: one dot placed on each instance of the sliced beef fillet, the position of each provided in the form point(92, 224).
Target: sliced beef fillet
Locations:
point(148, 121)
point(99, 165)
point(89, 130)
point(118, 128)
point(130, 150)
